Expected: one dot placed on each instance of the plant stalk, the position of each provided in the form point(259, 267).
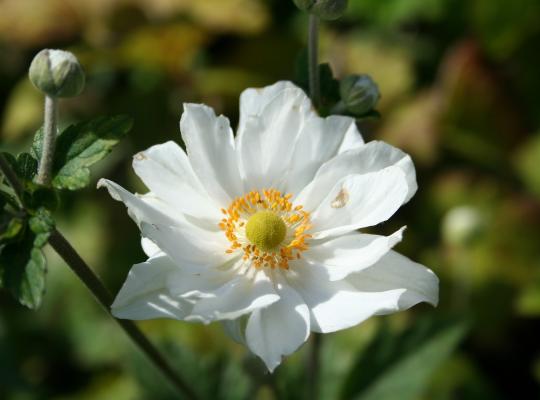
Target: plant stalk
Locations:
point(313, 63)
point(313, 366)
point(50, 123)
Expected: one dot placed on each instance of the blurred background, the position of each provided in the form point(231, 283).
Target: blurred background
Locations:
point(460, 91)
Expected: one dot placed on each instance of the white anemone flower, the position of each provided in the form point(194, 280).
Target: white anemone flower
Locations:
point(260, 231)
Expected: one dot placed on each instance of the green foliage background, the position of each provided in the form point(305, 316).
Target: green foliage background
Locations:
point(459, 82)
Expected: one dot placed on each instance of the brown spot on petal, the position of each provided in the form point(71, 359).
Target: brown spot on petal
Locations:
point(341, 199)
point(140, 156)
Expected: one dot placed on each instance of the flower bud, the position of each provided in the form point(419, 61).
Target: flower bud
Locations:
point(359, 93)
point(324, 9)
point(304, 5)
point(57, 73)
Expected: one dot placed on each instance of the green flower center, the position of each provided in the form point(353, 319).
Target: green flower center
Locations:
point(265, 230)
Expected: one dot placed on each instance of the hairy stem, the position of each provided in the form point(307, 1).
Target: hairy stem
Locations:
point(60, 244)
point(313, 366)
point(313, 63)
point(49, 140)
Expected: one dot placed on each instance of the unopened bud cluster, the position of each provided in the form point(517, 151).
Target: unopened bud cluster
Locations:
point(324, 9)
point(57, 73)
point(359, 93)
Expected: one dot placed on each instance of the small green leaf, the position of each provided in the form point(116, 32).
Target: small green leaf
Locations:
point(37, 144)
point(10, 226)
point(42, 224)
point(23, 269)
point(329, 86)
point(402, 364)
point(82, 145)
point(26, 166)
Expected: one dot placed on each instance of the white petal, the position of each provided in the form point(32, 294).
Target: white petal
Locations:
point(279, 329)
point(372, 157)
point(167, 172)
point(194, 284)
point(350, 253)
point(352, 140)
point(254, 100)
point(210, 145)
point(138, 207)
point(267, 132)
point(188, 245)
point(359, 201)
point(395, 271)
point(318, 141)
point(235, 329)
point(150, 248)
point(392, 284)
point(144, 294)
point(235, 298)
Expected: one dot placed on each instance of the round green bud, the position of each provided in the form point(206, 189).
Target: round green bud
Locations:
point(329, 9)
point(324, 9)
point(359, 93)
point(304, 5)
point(57, 73)
point(265, 230)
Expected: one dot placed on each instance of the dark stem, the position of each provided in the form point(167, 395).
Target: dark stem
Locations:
point(92, 282)
point(314, 362)
point(313, 63)
point(50, 120)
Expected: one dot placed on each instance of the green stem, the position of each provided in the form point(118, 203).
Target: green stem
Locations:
point(313, 63)
point(49, 140)
point(60, 244)
point(313, 366)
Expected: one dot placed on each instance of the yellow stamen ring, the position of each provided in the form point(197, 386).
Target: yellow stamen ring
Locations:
point(266, 228)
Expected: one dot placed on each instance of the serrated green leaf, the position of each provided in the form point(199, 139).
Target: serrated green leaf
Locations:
point(402, 364)
point(23, 269)
point(80, 146)
point(37, 144)
point(72, 178)
point(26, 166)
point(42, 224)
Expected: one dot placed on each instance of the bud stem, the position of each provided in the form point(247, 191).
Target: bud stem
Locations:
point(313, 363)
point(49, 140)
point(313, 63)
